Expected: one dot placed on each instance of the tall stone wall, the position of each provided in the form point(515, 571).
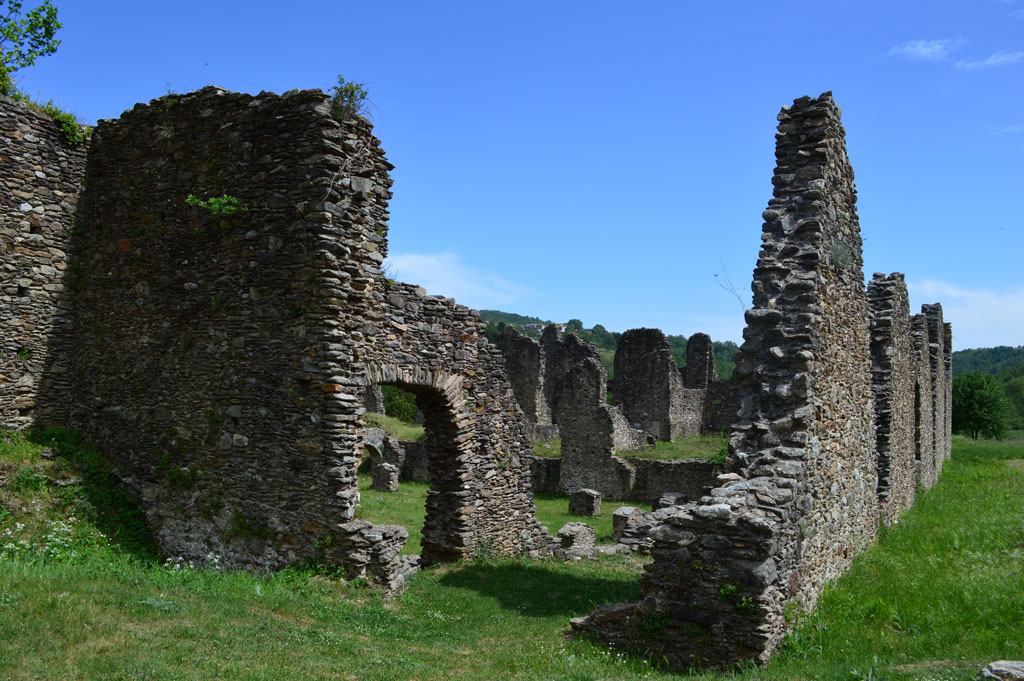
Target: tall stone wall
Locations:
point(937, 366)
point(222, 358)
point(591, 430)
point(700, 370)
point(893, 376)
point(924, 411)
point(947, 329)
point(799, 499)
point(41, 174)
point(649, 388)
point(524, 364)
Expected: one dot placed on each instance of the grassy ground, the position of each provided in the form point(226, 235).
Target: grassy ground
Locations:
point(939, 596)
point(394, 427)
point(713, 447)
point(406, 507)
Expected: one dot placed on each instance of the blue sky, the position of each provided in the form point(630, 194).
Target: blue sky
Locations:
point(610, 161)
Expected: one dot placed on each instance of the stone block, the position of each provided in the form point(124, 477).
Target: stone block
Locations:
point(577, 536)
point(585, 502)
point(385, 477)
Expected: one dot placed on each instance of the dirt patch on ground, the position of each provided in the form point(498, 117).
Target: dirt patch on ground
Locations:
point(1015, 463)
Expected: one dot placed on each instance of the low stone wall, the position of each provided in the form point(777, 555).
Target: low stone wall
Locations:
point(693, 478)
point(545, 475)
point(41, 175)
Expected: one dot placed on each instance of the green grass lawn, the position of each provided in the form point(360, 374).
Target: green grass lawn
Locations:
point(394, 427)
point(937, 597)
point(713, 447)
point(407, 507)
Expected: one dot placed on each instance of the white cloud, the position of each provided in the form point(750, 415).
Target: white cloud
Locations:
point(980, 318)
point(1009, 130)
point(1018, 14)
point(926, 50)
point(997, 59)
point(443, 274)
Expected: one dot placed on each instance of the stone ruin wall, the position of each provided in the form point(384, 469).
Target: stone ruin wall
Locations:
point(524, 365)
point(591, 430)
point(893, 380)
point(41, 174)
point(924, 414)
point(649, 387)
point(223, 359)
point(799, 499)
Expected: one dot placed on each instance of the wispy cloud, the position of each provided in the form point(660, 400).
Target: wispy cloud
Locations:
point(980, 318)
point(1017, 14)
point(997, 59)
point(926, 50)
point(445, 275)
point(1009, 130)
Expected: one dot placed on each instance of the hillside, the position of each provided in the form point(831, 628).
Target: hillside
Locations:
point(988, 360)
point(1003, 362)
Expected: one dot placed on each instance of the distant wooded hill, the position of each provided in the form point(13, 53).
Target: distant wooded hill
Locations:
point(606, 341)
point(1003, 362)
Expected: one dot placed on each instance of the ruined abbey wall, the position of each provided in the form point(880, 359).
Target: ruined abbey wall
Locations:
point(799, 498)
point(893, 377)
point(649, 387)
point(524, 365)
point(222, 359)
point(41, 175)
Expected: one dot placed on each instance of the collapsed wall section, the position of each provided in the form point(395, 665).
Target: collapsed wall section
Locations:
point(230, 313)
point(893, 376)
point(799, 498)
point(41, 175)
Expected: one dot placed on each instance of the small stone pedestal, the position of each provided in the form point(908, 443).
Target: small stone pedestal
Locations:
point(585, 502)
point(385, 477)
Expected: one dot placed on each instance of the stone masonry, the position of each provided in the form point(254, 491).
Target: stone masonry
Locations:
point(41, 174)
point(893, 380)
point(700, 371)
point(524, 364)
point(221, 358)
point(799, 499)
point(591, 429)
point(649, 387)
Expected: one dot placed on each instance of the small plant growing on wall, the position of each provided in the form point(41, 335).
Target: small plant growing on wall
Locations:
point(217, 205)
point(348, 98)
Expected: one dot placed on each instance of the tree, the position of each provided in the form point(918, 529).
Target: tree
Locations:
point(980, 406)
point(25, 39)
point(574, 325)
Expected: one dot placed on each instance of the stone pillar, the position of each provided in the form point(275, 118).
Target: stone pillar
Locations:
point(893, 378)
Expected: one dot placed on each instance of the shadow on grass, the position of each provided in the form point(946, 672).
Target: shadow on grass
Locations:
point(542, 591)
point(114, 510)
